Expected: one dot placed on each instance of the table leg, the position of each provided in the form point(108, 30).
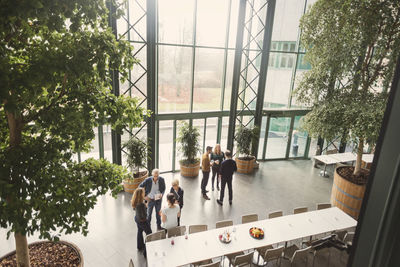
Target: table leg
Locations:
point(323, 173)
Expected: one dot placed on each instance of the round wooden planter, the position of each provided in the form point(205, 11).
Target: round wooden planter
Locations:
point(191, 170)
point(73, 246)
point(131, 185)
point(245, 166)
point(346, 195)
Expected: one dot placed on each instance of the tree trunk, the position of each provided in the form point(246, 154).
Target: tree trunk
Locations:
point(15, 125)
point(360, 149)
point(22, 251)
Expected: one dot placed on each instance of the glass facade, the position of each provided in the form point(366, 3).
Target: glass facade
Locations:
point(195, 49)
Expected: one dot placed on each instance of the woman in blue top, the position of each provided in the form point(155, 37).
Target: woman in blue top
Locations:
point(216, 159)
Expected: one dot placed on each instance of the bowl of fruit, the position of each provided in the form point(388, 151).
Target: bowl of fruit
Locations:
point(225, 237)
point(256, 233)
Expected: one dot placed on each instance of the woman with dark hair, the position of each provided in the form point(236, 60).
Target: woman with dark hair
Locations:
point(140, 218)
point(217, 157)
point(170, 214)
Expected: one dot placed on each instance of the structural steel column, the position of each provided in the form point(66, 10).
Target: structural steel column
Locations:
point(269, 21)
point(115, 138)
point(236, 73)
point(151, 29)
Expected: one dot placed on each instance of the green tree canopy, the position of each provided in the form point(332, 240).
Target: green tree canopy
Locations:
point(352, 46)
point(56, 58)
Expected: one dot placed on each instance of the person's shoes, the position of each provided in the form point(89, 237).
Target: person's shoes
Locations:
point(212, 189)
point(207, 191)
point(218, 187)
point(159, 228)
point(219, 202)
point(206, 197)
point(230, 202)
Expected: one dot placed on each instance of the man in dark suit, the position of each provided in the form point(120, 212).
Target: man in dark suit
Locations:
point(228, 167)
point(154, 188)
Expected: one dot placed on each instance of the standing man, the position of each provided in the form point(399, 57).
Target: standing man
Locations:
point(154, 188)
point(205, 168)
point(228, 167)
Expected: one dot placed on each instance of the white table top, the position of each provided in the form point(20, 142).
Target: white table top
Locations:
point(368, 158)
point(206, 245)
point(327, 159)
point(344, 157)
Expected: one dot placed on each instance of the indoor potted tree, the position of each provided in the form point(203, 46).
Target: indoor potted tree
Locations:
point(55, 77)
point(136, 159)
point(245, 137)
point(188, 138)
point(352, 47)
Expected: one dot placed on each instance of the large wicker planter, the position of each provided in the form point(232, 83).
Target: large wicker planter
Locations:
point(131, 185)
point(245, 166)
point(71, 245)
point(346, 195)
point(190, 170)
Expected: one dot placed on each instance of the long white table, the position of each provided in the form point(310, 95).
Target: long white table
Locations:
point(206, 245)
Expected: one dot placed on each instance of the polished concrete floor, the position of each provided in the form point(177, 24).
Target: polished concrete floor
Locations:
point(277, 185)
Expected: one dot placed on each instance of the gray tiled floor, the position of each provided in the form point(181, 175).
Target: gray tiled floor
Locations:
point(277, 185)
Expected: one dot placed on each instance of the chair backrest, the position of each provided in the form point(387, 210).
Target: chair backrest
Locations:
point(300, 254)
point(348, 237)
point(221, 224)
point(243, 259)
point(332, 151)
point(249, 218)
point(300, 210)
point(131, 263)
point(321, 206)
point(273, 253)
point(213, 264)
point(275, 214)
point(176, 231)
point(155, 236)
point(197, 228)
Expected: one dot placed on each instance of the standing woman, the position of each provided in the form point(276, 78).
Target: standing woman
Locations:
point(216, 159)
point(140, 218)
point(170, 214)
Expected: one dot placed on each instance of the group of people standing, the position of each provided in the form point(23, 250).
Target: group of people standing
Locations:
point(223, 167)
point(149, 194)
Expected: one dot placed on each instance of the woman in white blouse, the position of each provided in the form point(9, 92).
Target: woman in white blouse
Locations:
point(170, 214)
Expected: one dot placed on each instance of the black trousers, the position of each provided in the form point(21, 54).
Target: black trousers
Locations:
point(215, 173)
point(204, 181)
point(226, 181)
point(142, 227)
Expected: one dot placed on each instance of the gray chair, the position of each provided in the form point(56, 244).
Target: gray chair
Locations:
point(197, 228)
point(295, 255)
point(131, 263)
point(275, 214)
point(321, 206)
point(249, 218)
point(221, 224)
point(261, 251)
point(272, 254)
point(300, 210)
point(176, 231)
point(241, 260)
point(213, 264)
point(155, 236)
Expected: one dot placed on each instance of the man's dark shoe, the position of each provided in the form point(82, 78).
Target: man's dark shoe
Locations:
point(159, 228)
point(206, 197)
point(213, 189)
point(218, 187)
point(207, 191)
point(219, 202)
point(230, 202)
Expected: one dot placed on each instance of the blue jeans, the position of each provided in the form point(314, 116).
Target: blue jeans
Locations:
point(150, 206)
